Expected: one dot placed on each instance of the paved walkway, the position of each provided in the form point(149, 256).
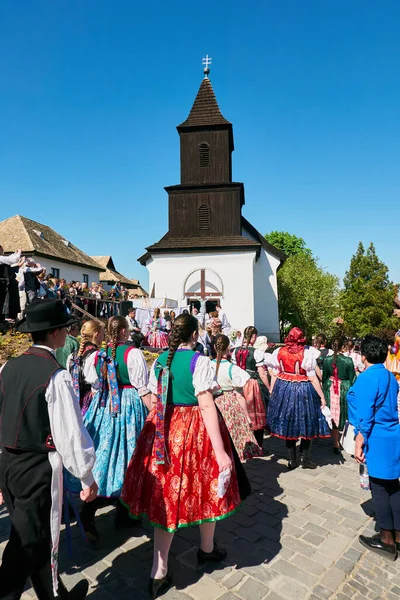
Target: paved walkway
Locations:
point(295, 538)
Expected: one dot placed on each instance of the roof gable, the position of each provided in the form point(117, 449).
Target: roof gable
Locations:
point(33, 237)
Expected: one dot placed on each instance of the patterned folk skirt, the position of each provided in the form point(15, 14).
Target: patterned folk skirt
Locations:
point(238, 427)
point(114, 438)
point(257, 397)
point(85, 402)
point(337, 402)
point(184, 490)
point(156, 339)
point(295, 411)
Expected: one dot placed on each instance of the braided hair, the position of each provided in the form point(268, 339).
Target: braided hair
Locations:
point(88, 331)
point(243, 353)
point(221, 343)
point(337, 345)
point(114, 327)
point(182, 329)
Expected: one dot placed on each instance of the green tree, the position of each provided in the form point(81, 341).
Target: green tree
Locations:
point(308, 296)
point(368, 295)
point(288, 243)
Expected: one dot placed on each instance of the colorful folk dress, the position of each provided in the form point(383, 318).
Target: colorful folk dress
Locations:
point(84, 376)
point(338, 376)
point(295, 408)
point(231, 380)
point(156, 337)
point(117, 415)
point(255, 392)
point(172, 478)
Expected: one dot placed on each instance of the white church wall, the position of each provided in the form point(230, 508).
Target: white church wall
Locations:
point(265, 293)
point(169, 271)
point(67, 271)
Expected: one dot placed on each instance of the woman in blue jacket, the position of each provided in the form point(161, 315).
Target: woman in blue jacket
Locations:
point(373, 412)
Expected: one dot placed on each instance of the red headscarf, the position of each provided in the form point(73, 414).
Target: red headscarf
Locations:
point(296, 340)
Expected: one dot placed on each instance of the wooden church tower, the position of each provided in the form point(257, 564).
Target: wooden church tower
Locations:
point(206, 226)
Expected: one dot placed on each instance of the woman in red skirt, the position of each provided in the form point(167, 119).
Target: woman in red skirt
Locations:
point(256, 390)
point(173, 477)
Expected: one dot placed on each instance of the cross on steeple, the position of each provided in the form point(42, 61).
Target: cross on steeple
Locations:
point(206, 64)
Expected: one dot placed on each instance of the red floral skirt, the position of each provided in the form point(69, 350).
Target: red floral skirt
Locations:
point(256, 404)
point(183, 491)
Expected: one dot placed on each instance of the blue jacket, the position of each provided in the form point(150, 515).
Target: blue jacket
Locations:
point(381, 429)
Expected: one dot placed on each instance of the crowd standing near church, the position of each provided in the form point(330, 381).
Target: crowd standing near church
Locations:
point(168, 445)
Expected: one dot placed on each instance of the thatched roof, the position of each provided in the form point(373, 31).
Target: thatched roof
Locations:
point(38, 239)
point(109, 274)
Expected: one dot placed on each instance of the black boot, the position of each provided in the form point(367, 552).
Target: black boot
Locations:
point(305, 452)
point(122, 519)
point(291, 454)
point(42, 583)
point(216, 555)
point(87, 516)
point(157, 587)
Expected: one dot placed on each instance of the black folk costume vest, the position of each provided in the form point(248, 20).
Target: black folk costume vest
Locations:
point(24, 417)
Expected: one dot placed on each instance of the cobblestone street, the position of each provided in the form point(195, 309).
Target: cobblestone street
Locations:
point(295, 537)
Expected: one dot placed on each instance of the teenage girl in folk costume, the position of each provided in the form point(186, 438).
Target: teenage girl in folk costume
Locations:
point(296, 398)
point(256, 390)
point(338, 375)
point(230, 402)
point(81, 365)
point(116, 416)
point(173, 475)
point(156, 337)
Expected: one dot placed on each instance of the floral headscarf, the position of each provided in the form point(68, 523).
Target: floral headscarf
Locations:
point(296, 340)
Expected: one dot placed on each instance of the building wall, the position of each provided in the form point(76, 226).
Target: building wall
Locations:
point(266, 293)
point(169, 271)
point(67, 271)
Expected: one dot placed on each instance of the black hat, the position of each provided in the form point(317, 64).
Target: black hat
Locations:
point(43, 315)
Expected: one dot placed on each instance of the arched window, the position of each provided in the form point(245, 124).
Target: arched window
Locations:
point(204, 217)
point(204, 154)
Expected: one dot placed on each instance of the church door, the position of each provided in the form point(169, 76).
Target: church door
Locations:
point(203, 288)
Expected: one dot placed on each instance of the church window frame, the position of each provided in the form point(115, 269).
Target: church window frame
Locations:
point(204, 217)
point(204, 154)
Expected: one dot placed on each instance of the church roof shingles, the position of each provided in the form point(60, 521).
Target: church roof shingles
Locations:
point(205, 110)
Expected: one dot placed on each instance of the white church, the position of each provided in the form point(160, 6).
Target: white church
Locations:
point(211, 252)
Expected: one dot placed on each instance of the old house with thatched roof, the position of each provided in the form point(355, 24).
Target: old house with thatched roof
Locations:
point(109, 276)
point(58, 255)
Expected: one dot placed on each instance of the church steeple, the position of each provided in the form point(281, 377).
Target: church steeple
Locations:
point(206, 140)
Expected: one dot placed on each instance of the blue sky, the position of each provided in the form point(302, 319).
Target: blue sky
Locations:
point(91, 92)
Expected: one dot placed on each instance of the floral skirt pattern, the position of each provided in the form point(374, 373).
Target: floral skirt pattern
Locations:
point(156, 339)
point(295, 411)
point(183, 491)
point(85, 402)
point(257, 397)
point(114, 438)
point(236, 422)
point(344, 386)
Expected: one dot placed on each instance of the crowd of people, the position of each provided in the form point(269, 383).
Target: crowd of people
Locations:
point(168, 445)
point(23, 280)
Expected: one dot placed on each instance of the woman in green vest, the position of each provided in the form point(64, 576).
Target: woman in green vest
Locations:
point(116, 417)
point(338, 375)
point(183, 470)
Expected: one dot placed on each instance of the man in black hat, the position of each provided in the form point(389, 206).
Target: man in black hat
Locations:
point(41, 430)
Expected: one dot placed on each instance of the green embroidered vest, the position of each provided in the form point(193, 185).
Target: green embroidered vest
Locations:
point(181, 389)
point(121, 356)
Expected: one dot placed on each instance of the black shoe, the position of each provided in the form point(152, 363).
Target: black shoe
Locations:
point(79, 592)
point(375, 544)
point(89, 528)
point(306, 463)
point(292, 464)
point(157, 587)
point(216, 555)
